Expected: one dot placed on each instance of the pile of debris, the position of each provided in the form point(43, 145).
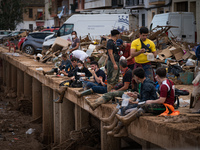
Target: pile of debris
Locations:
point(61, 46)
point(179, 57)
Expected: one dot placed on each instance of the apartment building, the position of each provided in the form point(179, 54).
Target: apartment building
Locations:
point(33, 15)
point(143, 10)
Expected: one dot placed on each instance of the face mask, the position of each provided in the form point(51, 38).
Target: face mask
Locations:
point(73, 36)
point(80, 67)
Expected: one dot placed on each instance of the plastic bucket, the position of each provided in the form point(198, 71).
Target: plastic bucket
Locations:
point(186, 77)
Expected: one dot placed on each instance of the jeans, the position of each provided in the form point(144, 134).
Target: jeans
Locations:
point(99, 89)
point(147, 68)
point(88, 84)
point(131, 66)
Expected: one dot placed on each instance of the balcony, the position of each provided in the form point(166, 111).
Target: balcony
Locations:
point(131, 4)
point(156, 2)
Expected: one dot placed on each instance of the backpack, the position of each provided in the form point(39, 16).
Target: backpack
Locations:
point(198, 52)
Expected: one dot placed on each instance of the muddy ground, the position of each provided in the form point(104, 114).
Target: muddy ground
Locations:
point(14, 122)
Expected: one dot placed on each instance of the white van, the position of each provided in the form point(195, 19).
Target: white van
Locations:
point(93, 24)
point(183, 20)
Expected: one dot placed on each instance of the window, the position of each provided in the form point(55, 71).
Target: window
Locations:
point(39, 15)
point(31, 27)
point(66, 29)
point(143, 20)
point(182, 6)
point(134, 2)
point(30, 13)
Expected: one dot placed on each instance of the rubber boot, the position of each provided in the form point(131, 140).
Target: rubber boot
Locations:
point(111, 127)
point(96, 103)
point(51, 72)
point(111, 118)
point(84, 93)
point(127, 120)
point(60, 98)
point(109, 87)
point(116, 129)
point(122, 133)
point(61, 89)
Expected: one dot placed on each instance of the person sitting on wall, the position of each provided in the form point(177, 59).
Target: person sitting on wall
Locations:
point(70, 68)
point(162, 106)
point(98, 86)
point(62, 66)
point(81, 55)
point(145, 92)
point(120, 89)
point(80, 73)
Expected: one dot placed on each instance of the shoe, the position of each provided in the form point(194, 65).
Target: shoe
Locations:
point(84, 93)
point(61, 89)
point(111, 127)
point(97, 103)
point(126, 120)
point(122, 133)
point(51, 72)
point(109, 87)
point(115, 130)
point(111, 118)
point(58, 100)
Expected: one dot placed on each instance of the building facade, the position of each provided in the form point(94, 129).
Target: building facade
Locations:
point(33, 15)
point(143, 10)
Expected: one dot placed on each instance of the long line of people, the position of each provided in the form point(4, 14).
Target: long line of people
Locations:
point(137, 81)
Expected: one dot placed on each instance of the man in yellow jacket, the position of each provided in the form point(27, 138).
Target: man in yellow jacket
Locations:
point(140, 48)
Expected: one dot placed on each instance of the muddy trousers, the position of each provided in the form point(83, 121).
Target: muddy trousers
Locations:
point(112, 75)
point(111, 95)
point(153, 108)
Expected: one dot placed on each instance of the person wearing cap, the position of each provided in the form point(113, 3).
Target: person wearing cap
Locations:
point(140, 48)
point(113, 60)
point(126, 49)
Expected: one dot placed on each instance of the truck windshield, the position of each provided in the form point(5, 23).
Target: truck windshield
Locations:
point(65, 29)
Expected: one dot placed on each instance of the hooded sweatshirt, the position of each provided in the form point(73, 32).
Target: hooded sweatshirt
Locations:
point(148, 90)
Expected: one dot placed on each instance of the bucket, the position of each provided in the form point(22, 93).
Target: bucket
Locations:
point(186, 77)
point(150, 57)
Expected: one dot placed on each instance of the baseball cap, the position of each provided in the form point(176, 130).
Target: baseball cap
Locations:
point(119, 42)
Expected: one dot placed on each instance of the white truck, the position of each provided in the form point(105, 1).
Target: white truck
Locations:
point(183, 20)
point(93, 24)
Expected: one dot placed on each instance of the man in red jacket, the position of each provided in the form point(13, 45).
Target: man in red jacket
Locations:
point(126, 49)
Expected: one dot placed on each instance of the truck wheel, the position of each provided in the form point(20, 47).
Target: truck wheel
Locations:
point(29, 49)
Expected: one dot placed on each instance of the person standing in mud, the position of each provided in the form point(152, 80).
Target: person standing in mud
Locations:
point(113, 60)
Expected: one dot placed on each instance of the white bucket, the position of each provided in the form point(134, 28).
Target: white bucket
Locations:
point(150, 57)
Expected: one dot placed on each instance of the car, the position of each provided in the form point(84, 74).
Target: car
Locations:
point(20, 43)
point(50, 30)
point(11, 36)
point(33, 42)
point(4, 33)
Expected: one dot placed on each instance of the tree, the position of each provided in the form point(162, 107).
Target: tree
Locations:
point(11, 14)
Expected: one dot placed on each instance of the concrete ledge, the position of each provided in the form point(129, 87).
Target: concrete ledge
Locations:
point(160, 131)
